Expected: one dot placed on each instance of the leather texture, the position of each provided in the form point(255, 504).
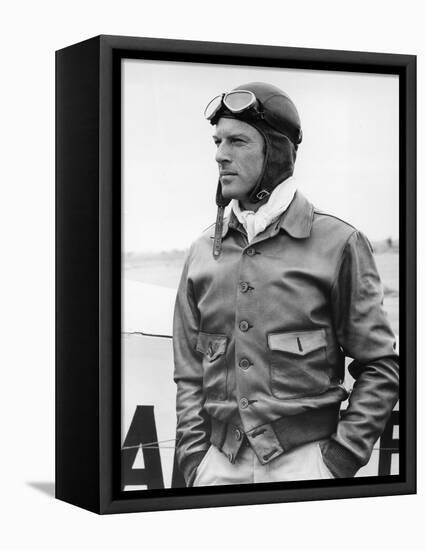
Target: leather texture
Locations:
point(261, 335)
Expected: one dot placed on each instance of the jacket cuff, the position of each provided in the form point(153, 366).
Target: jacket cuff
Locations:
point(341, 462)
point(190, 465)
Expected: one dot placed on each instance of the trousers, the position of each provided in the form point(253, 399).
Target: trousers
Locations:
point(302, 463)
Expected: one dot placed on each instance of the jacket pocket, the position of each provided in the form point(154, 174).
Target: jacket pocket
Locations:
point(215, 369)
point(298, 363)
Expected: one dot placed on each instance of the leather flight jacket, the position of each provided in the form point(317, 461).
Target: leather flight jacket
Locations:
point(260, 338)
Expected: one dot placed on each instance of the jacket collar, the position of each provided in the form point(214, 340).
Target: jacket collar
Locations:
point(296, 220)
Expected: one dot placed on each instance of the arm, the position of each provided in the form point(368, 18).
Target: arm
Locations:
point(193, 433)
point(364, 334)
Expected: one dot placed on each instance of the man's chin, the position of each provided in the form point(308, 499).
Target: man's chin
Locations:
point(229, 191)
point(229, 194)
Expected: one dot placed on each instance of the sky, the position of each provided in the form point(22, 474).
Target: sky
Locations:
point(347, 164)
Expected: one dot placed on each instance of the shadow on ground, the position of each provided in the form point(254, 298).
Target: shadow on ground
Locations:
point(46, 487)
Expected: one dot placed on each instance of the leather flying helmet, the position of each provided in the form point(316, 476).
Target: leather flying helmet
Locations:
point(274, 115)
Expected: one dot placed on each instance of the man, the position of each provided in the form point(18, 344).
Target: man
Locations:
point(271, 301)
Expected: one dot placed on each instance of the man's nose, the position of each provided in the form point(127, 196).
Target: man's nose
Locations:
point(222, 153)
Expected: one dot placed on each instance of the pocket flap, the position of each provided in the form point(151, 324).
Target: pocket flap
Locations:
point(211, 345)
point(299, 343)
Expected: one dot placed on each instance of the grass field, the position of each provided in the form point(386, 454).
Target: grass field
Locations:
point(164, 270)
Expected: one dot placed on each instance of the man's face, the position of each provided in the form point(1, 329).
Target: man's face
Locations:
point(240, 155)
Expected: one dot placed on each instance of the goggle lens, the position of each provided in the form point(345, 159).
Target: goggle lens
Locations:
point(213, 107)
point(236, 102)
point(239, 100)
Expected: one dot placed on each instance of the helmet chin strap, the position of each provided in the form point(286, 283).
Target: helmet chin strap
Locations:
point(277, 120)
point(221, 204)
point(217, 243)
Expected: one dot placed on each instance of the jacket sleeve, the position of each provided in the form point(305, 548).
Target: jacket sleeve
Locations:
point(364, 334)
point(193, 430)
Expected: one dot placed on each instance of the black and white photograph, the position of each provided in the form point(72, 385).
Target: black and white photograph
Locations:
point(260, 275)
point(213, 297)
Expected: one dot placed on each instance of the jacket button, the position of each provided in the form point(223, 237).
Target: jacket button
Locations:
point(250, 251)
point(244, 286)
point(244, 363)
point(238, 434)
point(244, 403)
point(244, 326)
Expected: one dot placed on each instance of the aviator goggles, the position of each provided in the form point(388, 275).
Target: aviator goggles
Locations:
point(237, 101)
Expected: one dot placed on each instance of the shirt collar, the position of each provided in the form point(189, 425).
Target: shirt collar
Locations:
point(296, 220)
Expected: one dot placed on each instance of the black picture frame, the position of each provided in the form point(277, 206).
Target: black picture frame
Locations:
point(88, 272)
